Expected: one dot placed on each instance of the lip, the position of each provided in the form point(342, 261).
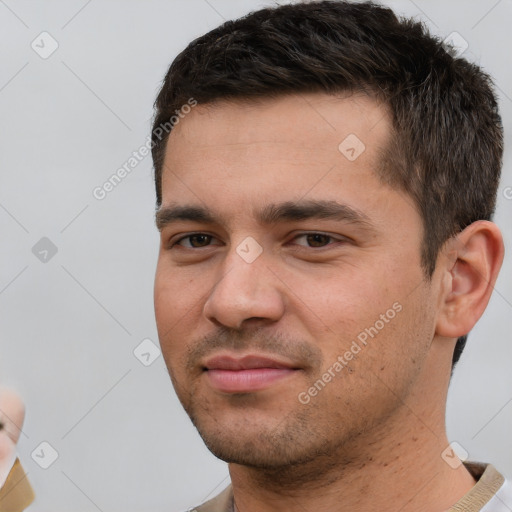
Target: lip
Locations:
point(246, 374)
point(248, 362)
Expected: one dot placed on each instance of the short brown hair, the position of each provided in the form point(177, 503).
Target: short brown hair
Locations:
point(447, 143)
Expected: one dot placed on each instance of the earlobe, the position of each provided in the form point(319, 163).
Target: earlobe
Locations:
point(472, 261)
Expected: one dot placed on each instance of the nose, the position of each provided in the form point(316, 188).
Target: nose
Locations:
point(245, 291)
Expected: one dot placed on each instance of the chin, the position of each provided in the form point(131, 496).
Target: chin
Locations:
point(262, 442)
point(254, 452)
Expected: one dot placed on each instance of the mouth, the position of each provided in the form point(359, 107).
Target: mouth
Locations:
point(247, 374)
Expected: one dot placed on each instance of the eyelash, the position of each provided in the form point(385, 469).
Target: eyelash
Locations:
point(309, 233)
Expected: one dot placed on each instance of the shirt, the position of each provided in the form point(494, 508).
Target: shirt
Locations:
point(16, 494)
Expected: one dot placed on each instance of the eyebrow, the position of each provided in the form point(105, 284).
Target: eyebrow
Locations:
point(269, 215)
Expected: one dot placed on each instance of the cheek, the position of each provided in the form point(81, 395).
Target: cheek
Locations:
point(396, 350)
point(175, 294)
point(169, 322)
point(164, 299)
point(371, 314)
point(178, 300)
point(348, 301)
point(171, 311)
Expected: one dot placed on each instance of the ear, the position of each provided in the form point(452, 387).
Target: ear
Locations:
point(470, 264)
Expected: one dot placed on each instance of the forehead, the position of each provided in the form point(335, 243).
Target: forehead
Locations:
point(309, 120)
point(245, 154)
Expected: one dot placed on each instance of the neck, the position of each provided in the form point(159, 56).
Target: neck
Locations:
point(396, 467)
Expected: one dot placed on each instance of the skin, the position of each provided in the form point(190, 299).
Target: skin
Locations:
point(12, 415)
point(372, 438)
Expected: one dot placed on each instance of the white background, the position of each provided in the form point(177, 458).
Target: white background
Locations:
point(69, 326)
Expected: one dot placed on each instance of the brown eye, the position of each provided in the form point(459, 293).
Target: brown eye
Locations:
point(317, 239)
point(195, 241)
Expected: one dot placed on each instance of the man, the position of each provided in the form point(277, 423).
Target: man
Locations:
point(324, 204)
point(324, 200)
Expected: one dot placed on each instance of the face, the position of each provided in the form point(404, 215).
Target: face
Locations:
point(291, 305)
